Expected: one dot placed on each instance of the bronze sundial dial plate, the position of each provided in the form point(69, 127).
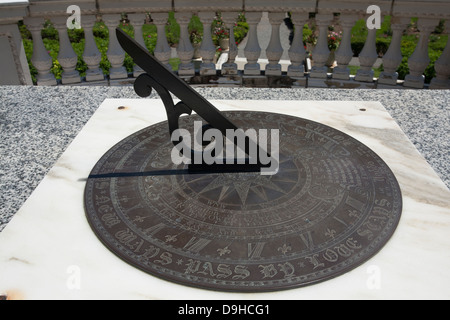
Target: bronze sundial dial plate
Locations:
point(333, 205)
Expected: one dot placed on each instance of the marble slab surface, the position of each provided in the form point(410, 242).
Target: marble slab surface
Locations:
point(48, 250)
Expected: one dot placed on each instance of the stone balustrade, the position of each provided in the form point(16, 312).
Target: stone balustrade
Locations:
point(323, 13)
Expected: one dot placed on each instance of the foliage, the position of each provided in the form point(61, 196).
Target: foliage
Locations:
point(384, 37)
point(101, 34)
point(219, 29)
point(310, 34)
point(195, 29)
point(334, 39)
point(172, 30)
point(436, 46)
point(50, 38)
point(240, 28)
point(360, 33)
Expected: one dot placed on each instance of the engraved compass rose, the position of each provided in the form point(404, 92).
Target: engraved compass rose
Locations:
point(248, 187)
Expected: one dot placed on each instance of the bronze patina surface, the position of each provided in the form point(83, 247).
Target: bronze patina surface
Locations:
point(332, 206)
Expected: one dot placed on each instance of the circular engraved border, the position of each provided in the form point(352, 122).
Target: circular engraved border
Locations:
point(144, 249)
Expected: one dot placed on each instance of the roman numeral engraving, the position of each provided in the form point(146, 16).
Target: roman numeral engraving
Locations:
point(307, 240)
point(196, 245)
point(341, 221)
point(358, 205)
point(329, 145)
point(138, 206)
point(154, 230)
point(254, 251)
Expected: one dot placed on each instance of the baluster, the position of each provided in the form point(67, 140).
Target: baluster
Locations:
point(252, 50)
point(230, 68)
point(321, 52)
point(185, 49)
point(344, 54)
point(137, 20)
point(393, 57)
point(442, 66)
point(91, 55)
point(41, 59)
point(207, 50)
point(162, 49)
point(116, 55)
point(367, 58)
point(420, 59)
point(297, 52)
point(274, 51)
point(67, 57)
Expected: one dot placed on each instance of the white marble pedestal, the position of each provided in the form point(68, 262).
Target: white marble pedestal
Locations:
point(48, 251)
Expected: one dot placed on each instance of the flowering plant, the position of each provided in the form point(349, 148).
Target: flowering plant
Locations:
point(220, 31)
point(222, 34)
point(334, 39)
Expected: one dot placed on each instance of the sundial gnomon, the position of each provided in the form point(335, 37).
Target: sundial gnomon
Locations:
point(332, 205)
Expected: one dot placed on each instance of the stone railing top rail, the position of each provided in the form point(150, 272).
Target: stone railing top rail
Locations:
point(300, 71)
point(410, 8)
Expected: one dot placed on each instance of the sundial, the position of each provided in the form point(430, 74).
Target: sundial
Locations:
point(331, 205)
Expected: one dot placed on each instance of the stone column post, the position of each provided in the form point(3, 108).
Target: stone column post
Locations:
point(442, 66)
point(207, 50)
point(67, 57)
point(185, 49)
point(321, 52)
point(252, 50)
point(230, 68)
point(420, 59)
point(297, 52)
point(274, 51)
point(162, 49)
point(41, 59)
point(367, 58)
point(91, 55)
point(393, 57)
point(137, 20)
point(116, 55)
point(344, 54)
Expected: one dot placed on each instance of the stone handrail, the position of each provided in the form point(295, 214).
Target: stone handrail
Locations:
point(14, 67)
